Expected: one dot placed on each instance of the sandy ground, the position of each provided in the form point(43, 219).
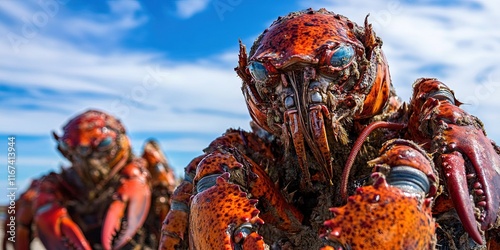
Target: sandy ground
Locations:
point(35, 245)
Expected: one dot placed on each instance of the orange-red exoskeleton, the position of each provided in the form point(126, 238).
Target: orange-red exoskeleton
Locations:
point(335, 159)
point(107, 199)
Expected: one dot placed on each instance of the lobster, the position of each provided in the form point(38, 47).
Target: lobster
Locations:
point(107, 199)
point(335, 159)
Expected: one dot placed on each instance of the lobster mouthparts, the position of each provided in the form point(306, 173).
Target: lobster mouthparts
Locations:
point(485, 194)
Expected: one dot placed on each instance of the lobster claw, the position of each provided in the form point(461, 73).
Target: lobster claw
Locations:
point(55, 227)
point(53, 224)
point(473, 145)
point(468, 159)
point(133, 196)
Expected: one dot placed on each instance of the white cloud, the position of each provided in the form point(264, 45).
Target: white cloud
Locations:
point(130, 86)
point(135, 86)
point(30, 21)
point(13, 10)
point(107, 28)
point(189, 8)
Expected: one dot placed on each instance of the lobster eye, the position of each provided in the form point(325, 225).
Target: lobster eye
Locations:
point(289, 102)
point(63, 145)
point(316, 97)
point(342, 56)
point(105, 143)
point(258, 71)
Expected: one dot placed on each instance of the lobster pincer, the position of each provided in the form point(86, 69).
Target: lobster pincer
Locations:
point(55, 227)
point(132, 196)
point(228, 190)
point(231, 223)
point(468, 160)
point(229, 186)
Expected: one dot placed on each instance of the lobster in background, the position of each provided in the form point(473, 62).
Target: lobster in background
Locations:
point(335, 160)
point(106, 199)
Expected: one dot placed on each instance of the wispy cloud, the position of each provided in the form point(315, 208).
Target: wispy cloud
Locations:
point(138, 86)
point(189, 8)
point(123, 16)
point(27, 22)
point(134, 86)
point(13, 11)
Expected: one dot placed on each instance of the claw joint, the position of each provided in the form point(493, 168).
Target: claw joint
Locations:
point(410, 168)
point(241, 232)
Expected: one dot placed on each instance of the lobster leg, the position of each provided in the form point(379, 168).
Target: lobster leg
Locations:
point(163, 186)
point(175, 225)
point(133, 196)
point(174, 228)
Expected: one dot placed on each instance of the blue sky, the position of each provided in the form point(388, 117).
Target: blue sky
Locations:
point(165, 68)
